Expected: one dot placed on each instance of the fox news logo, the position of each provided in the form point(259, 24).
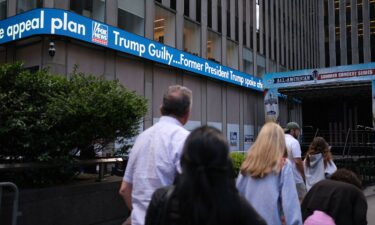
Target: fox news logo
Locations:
point(99, 33)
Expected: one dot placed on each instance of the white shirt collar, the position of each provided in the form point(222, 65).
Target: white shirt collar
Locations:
point(170, 119)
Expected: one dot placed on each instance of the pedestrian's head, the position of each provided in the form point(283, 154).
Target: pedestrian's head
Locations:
point(177, 102)
point(293, 129)
point(347, 176)
point(265, 155)
point(206, 188)
point(205, 151)
point(319, 145)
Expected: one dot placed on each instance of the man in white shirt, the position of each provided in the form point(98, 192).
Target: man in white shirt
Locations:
point(155, 157)
point(292, 131)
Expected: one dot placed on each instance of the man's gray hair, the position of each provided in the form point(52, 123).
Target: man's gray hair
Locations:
point(177, 101)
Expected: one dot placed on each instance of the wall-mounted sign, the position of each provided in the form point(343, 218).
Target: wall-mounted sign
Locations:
point(360, 72)
point(271, 105)
point(64, 23)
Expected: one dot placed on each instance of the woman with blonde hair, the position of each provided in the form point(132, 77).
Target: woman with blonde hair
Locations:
point(318, 162)
point(266, 178)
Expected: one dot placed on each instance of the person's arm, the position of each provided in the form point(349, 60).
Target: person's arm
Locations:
point(126, 193)
point(299, 166)
point(289, 197)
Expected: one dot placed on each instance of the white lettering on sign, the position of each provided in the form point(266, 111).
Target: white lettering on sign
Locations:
point(190, 63)
point(160, 53)
point(67, 25)
point(18, 29)
point(129, 44)
point(217, 71)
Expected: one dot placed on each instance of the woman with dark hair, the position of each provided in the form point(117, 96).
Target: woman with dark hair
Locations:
point(205, 192)
point(318, 162)
point(339, 197)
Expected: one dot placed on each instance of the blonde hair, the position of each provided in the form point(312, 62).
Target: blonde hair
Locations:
point(265, 155)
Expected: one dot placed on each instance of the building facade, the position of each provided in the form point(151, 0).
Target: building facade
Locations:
point(346, 32)
point(249, 36)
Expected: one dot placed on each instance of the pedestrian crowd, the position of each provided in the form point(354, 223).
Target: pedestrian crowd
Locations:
point(174, 177)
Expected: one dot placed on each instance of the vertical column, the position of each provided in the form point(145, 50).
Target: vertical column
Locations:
point(204, 101)
point(277, 23)
point(232, 14)
point(287, 34)
point(192, 9)
point(305, 38)
point(62, 4)
point(148, 90)
point(111, 9)
point(204, 29)
point(366, 32)
point(282, 31)
point(224, 33)
point(354, 23)
point(241, 134)
point(308, 32)
point(240, 34)
point(321, 33)
point(214, 15)
point(48, 3)
point(299, 29)
point(149, 19)
point(12, 8)
point(332, 32)
point(343, 40)
point(179, 24)
point(317, 31)
point(224, 103)
point(248, 20)
point(272, 28)
point(295, 34)
point(267, 25)
point(261, 26)
point(255, 50)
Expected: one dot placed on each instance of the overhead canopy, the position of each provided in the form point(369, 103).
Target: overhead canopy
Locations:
point(322, 81)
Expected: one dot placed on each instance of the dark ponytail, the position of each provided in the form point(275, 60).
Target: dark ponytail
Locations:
point(206, 189)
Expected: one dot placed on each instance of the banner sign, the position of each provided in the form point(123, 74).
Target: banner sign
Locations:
point(271, 105)
point(360, 72)
point(64, 23)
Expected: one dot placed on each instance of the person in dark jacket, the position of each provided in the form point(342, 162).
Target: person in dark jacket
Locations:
point(339, 197)
point(205, 192)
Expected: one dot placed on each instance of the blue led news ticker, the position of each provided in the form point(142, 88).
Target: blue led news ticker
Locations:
point(350, 73)
point(64, 23)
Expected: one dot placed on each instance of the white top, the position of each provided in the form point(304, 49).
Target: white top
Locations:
point(273, 194)
point(316, 171)
point(294, 151)
point(153, 163)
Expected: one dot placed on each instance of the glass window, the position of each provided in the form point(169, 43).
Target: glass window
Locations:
point(164, 26)
point(94, 9)
point(26, 5)
point(3, 9)
point(257, 15)
point(213, 47)
point(186, 8)
point(192, 35)
point(232, 54)
point(173, 4)
point(131, 16)
point(248, 62)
